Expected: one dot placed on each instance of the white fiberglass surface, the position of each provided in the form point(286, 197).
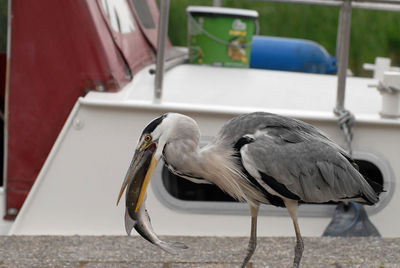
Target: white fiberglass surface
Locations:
point(234, 87)
point(4, 224)
point(93, 151)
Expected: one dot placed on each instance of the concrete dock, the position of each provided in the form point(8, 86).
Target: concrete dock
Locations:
point(208, 252)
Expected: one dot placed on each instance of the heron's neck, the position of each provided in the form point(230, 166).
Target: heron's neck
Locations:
point(189, 159)
point(216, 163)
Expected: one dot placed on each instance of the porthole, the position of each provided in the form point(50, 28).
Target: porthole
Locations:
point(182, 194)
point(183, 189)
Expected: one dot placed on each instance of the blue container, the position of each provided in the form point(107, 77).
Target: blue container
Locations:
point(290, 54)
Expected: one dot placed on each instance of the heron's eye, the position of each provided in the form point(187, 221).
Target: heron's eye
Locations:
point(147, 138)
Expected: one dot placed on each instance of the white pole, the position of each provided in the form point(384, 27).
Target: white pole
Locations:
point(217, 3)
point(161, 45)
point(343, 52)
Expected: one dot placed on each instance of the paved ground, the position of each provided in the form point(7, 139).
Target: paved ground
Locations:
point(208, 252)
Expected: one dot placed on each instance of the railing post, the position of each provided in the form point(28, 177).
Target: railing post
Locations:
point(161, 45)
point(343, 44)
point(217, 3)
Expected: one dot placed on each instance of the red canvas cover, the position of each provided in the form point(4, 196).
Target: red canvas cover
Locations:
point(59, 51)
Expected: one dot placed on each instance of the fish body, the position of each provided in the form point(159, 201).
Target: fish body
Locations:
point(141, 222)
point(140, 219)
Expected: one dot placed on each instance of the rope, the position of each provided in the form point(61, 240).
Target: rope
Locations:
point(346, 122)
point(356, 217)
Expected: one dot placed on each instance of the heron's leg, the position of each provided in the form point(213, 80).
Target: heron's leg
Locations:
point(253, 235)
point(292, 207)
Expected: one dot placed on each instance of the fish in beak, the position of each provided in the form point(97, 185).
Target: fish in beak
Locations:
point(136, 181)
point(139, 174)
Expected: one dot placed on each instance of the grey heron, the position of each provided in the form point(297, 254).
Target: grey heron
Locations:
point(256, 158)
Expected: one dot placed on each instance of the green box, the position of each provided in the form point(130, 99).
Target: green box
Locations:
point(220, 36)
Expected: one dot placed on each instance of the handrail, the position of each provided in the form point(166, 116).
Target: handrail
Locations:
point(342, 50)
point(343, 37)
point(389, 5)
point(162, 36)
point(343, 34)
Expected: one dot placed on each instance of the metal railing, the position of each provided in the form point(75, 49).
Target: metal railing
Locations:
point(342, 43)
point(389, 5)
point(342, 51)
point(161, 46)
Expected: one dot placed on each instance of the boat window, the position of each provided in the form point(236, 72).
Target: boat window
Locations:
point(119, 15)
point(370, 171)
point(183, 189)
point(181, 194)
point(143, 11)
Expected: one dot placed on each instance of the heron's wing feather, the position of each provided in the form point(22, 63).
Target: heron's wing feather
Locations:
point(303, 164)
point(244, 124)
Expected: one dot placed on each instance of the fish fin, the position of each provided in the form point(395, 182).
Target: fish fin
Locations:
point(129, 223)
point(179, 245)
point(171, 248)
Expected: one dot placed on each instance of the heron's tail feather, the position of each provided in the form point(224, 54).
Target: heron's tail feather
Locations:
point(370, 190)
point(377, 187)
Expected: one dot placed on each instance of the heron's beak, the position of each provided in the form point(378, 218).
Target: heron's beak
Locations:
point(138, 175)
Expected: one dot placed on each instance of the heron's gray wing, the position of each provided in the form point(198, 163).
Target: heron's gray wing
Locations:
point(244, 124)
point(302, 165)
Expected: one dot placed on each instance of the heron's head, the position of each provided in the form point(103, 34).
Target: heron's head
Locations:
point(148, 151)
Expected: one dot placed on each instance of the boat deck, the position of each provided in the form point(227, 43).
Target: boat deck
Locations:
point(208, 252)
point(209, 87)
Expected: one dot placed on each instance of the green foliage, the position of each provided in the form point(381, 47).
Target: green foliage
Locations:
point(373, 33)
point(177, 27)
point(3, 25)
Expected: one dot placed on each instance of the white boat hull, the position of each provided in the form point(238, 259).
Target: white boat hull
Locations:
point(77, 188)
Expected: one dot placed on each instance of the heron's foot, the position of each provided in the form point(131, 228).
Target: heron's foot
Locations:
point(298, 253)
point(172, 248)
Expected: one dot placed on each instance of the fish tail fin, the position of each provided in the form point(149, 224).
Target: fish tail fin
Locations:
point(129, 223)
